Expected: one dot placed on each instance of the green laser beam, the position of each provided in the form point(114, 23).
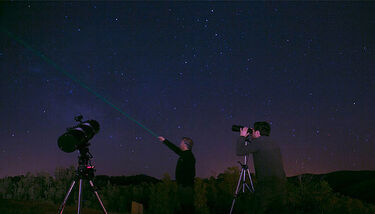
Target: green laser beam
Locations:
point(49, 61)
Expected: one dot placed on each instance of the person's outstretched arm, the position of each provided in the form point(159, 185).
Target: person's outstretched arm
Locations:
point(170, 145)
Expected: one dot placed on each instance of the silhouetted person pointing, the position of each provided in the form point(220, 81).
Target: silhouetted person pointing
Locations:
point(185, 172)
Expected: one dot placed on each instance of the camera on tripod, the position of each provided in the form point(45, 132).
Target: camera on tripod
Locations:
point(242, 186)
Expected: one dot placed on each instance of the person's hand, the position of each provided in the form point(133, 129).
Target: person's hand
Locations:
point(161, 139)
point(243, 132)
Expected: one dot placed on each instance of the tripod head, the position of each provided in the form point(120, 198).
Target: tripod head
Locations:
point(243, 166)
point(84, 156)
point(85, 169)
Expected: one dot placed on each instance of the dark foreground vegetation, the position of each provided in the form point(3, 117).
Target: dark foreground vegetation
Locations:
point(36, 207)
point(43, 193)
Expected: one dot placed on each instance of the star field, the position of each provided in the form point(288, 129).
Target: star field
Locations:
point(188, 69)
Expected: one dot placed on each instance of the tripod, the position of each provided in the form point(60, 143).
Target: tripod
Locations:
point(85, 171)
point(242, 179)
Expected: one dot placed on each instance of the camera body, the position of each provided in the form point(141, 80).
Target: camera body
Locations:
point(236, 128)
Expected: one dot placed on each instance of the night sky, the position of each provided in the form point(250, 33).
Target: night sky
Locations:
point(187, 69)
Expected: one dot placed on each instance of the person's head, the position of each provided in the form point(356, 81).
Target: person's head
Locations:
point(186, 144)
point(261, 129)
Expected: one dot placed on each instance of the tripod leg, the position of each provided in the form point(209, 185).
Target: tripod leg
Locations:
point(236, 192)
point(244, 181)
point(62, 206)
point(97, 196)
point(245, 185)
point(79, 196)
point(251, 181)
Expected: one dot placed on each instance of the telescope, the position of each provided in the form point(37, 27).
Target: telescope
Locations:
point(77, 137)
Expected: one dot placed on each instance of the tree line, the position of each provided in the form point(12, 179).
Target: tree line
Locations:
point(212, 195)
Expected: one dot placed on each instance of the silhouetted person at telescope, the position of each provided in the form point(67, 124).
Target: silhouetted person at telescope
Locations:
point(270, 188)
point(185, 173)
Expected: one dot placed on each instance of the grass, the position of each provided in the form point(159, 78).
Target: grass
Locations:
point(34, 207)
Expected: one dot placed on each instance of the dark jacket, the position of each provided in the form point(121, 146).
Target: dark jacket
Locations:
point(266, 156)
point(185, 169)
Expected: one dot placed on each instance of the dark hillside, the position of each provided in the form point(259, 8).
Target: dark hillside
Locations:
point(355, 184)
